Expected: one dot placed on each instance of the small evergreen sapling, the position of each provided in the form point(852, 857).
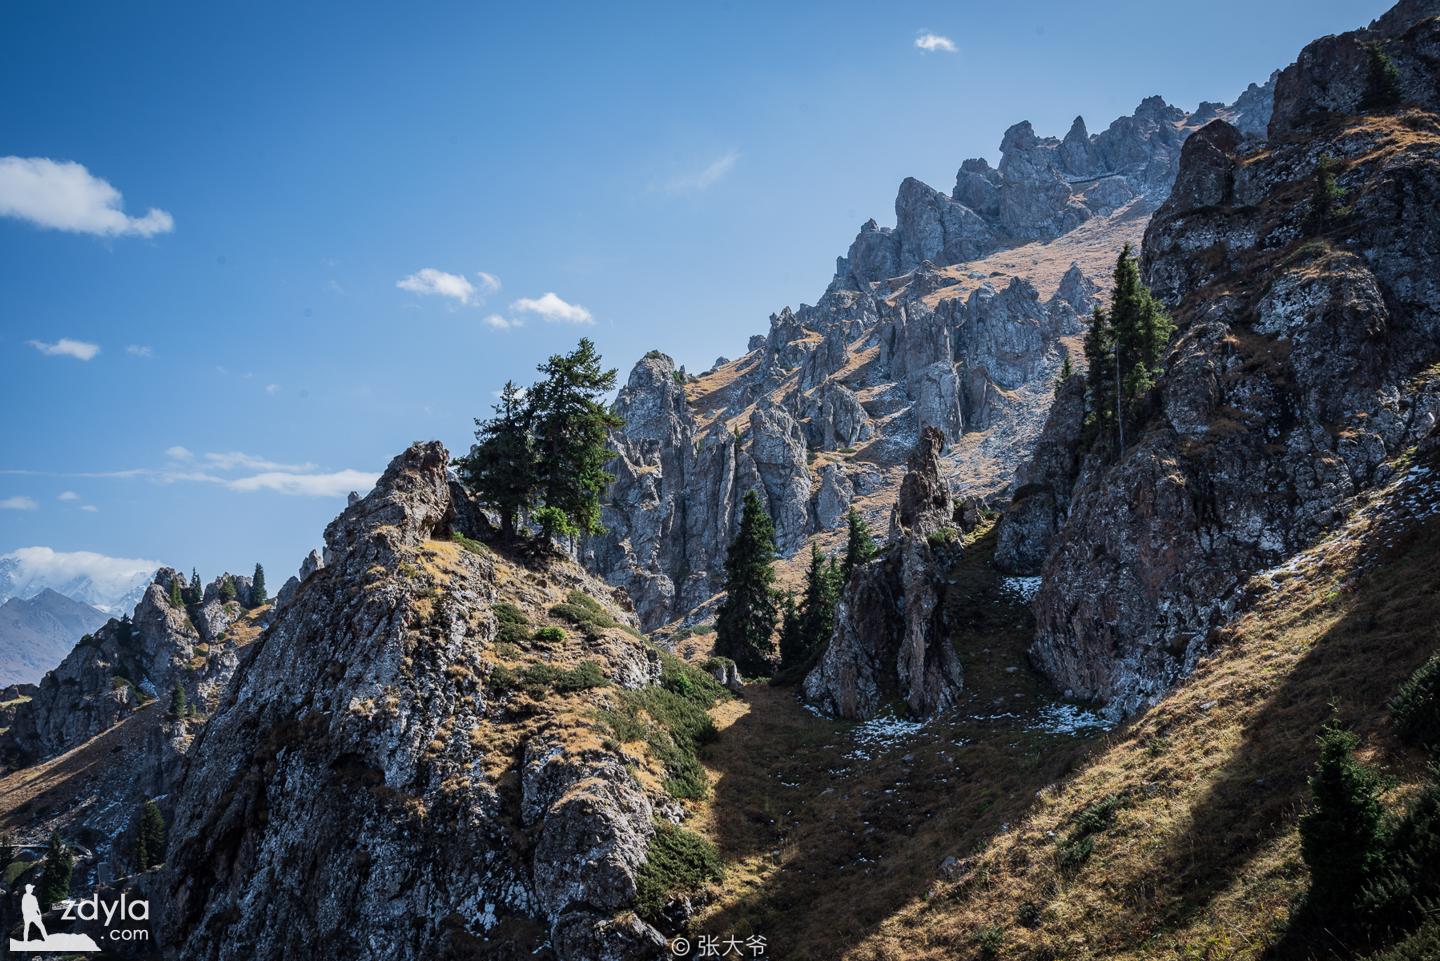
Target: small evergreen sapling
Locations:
point(746, 619)
point(258, 595)
point(1342, 834)
point(55, 878)
point(177, 701)
point(149, 837)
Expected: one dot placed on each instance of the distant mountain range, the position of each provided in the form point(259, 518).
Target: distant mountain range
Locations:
point(36, 634)
point(113, 585)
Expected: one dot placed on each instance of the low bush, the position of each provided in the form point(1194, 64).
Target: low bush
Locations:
point(676, 861)
point(588, 614)
point(470, 544)
point(550, 635)
point(538, 680)
point(671, 718)
point(511, 625)
point(1416, 708)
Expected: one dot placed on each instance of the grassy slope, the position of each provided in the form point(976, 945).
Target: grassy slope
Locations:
point(1200, 859)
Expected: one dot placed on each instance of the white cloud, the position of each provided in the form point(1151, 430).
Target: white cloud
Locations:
point(19, 504)
point(306, 485)
point(68, 496)
point(432, 282)
point(63, 195)
point(489, 283)
point(934, 43)
point(179, 453)
point(110, 578)
point(90, 508)
point(553, 309)
point(231, 460)
point(705, 178)
point(272, 389)
point(502, 323)
point(140, 350)
point(65, 347)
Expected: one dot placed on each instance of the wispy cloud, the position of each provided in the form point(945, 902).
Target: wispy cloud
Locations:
point(502, 323)
point(430, 282)
point(65, 347)
point(332, 484)
point(68, 496)
point(63, 195)
point(90, 508)
point(553, 310)
point(35, 568)
point(220, 469)
point(140, 350)
point(934, 42)
point(19, 504)
point(272, 389)
point(233, 460)
point(696, 181)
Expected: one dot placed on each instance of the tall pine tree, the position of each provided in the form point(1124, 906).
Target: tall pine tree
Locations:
point(570, 426)
point(258, 595)
point(817, 606)
point(500, 467)
point(1099, 373)
point(792, 638)
point(55, 878)
point(149, 837)
point(746, 619)
point(1124, 350)
point(860, 545)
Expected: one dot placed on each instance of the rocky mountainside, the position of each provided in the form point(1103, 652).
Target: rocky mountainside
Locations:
point(1303, 373)
point(414, 759)
point(36, 633)
point(958, 318)
point(130, 662)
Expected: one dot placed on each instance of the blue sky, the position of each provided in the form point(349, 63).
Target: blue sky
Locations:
point(669, 173)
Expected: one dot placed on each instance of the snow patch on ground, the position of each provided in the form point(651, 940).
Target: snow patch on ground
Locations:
point(879, 734)
point(1062, 718)
point(1025, 588)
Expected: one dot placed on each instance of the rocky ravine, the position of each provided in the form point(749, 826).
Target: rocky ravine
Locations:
point(371, 787)
point(1303, 371)
point(958, 318)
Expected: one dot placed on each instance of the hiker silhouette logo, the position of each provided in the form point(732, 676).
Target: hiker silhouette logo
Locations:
point(121, 919)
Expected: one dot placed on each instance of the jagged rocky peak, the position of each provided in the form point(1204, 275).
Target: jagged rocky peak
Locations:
point(1293, 385)
point(1043, 188)
point(384, 690)
point(889, 636)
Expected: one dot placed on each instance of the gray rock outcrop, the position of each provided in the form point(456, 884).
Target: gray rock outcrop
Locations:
point(889, 637)
point(1295, 382)
point(368, 736)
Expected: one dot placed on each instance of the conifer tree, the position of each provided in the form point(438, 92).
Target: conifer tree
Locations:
point(177, 701)
point(1067, 370)
point(570, 426)
point(500, 467)
point(792, 640)
point(746, 619)
point(817, 606)
point(258, 595)
point(1382, 80)
point(149, 837)
point(1099, 375)
point(227, 588)
point(55, 878)
point(197, 589)
point(860, 545)
point(1342, 833)
point(1325, 196)
point(177, 599)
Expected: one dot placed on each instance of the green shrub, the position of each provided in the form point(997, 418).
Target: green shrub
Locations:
point(1416, 708)
point(671, 718)
point(538, 680)
point(588, 614)
point(550, 635)
point(990, 940)
point(469, 544)
point(511, 625)
point(945, 535)
point(676, 861)
point(1077, 846)
point(1406, 880)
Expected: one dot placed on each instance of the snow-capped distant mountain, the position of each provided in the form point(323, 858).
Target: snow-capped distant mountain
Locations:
point(110, 584)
